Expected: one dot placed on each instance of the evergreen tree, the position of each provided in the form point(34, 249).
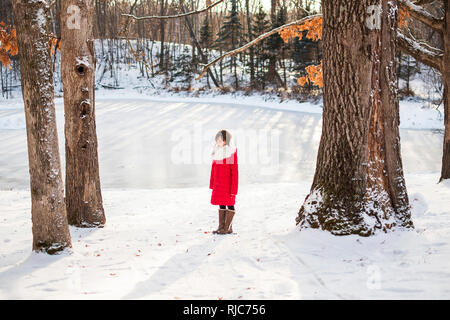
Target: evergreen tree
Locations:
point(304, 52)
point(407, 68)
point(275, 47)
point(229, 36)
point(260, 26)
point(281, 20)
point(206, 36)
point(206, 41)
point(251, 55)
point(185, 68)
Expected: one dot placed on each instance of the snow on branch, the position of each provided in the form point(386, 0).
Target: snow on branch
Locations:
point(253, 42)
point(426, 45)
point(423, 16)
point(125, 32)
point(127, 23)
point(181, 15)
point(432, 58)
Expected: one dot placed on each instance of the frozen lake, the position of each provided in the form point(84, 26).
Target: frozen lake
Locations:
point(154, 144)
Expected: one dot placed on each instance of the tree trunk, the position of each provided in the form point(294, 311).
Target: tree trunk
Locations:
point(445, 173)
point(358, 186)
point(83, 193)
point(48, 212)
point(162, 25)
point(250, 38)
point(272, 75)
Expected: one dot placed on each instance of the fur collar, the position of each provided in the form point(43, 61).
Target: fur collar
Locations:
point(219, 153)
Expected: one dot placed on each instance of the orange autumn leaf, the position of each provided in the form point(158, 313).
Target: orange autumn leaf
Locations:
point(55, 45)
point(302, 81)
point(4, 59)
point(14, 45)
point(403, 15)
point(8, 44)
point(312, 26)
point(314, 75)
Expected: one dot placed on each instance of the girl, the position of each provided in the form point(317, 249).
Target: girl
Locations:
point(224, 180)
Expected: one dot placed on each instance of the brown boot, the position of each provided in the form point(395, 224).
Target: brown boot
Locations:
point(230, 229)
point(228, 220)
point(222, 214)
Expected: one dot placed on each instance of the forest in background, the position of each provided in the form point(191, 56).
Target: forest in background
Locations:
point(170, 53)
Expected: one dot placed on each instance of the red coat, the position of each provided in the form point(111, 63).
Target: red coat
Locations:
point(224, 180)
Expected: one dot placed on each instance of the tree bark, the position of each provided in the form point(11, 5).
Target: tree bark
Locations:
point(358, 186)
point(272, 75)
point(250, 38)
point(83, 193)
point(445, 172)
point(48, 212)
point(162, 25)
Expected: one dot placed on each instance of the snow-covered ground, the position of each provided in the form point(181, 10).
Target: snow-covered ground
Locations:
point(157, 243)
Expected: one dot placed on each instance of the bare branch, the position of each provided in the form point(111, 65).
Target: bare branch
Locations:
point(424, 43)
point(423, 16)
point(253, 42)
point(127, 23)
point(433, 58)
point(423, 2)
point(52, 3)
point(181, 15)
point(125, 33)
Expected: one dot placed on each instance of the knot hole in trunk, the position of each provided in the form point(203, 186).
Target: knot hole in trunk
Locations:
point(80, 69)
point(85, 108)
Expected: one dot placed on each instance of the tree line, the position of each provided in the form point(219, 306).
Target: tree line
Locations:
point(209, 34)
point(271, 63)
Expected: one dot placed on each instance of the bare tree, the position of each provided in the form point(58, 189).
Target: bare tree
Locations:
point(272, 75)
point(433, 57)
point(250, 38)
point(180, 15)
point(83, 192)
point(162, 32)
point(48, 212)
